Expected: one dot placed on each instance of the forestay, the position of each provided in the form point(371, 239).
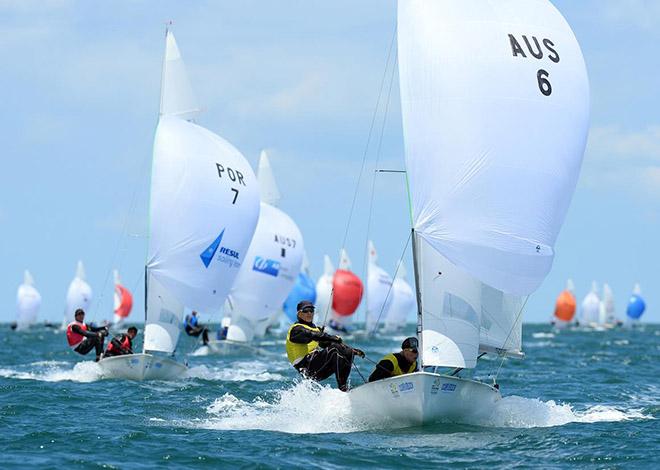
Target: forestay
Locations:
point(495, 106)
point(204, 209)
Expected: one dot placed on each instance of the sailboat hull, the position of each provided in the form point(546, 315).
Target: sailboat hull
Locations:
point(141, 367)
point(423, 398)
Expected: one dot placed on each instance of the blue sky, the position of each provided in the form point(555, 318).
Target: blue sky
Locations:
point(301, 79)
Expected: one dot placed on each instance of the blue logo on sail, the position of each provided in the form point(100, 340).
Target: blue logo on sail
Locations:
point(208, 254)
point(266, 266)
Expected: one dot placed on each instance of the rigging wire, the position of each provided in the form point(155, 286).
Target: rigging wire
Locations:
point(123, 236)
point(364, 158)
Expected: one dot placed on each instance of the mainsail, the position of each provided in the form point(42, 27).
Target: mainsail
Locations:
point(79, 294)
point(324, 291)
point(495, 107)
point(204, 209)
point(379, 290)
point(28, 302)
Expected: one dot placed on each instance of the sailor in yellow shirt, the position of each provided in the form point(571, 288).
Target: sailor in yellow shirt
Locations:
point(315, 354)
point(404, 362)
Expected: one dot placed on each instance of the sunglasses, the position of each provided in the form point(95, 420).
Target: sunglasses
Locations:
point(412, 350)
point(308, 310)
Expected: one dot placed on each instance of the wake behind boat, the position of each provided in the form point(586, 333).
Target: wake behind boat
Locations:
point(494, 97)
point(198, 234)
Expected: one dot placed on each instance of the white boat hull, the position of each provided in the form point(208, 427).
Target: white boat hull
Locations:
point(423, 398)
point(141, 367)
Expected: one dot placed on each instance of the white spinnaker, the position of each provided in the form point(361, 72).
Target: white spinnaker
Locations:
point(79, 294)
point(324, 291)
point(28, 302)
point(271, 266)
point(379, 289)
point(591, 306)
point(204, 209)
point(403, 301)
point(492, 153)
point(176, 96)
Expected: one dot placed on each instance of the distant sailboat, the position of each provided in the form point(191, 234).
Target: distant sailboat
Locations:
point(495, 107)
point(303, 289)
point(590, 315)
point(565, 306)
point(403, 302)
point(28, 302)
point(379, 290)
point(347, 292)
point(636, 305)
point(204, 207)
point(607, 312)
point(79, 295)
point(272, 265)
point(123, 301)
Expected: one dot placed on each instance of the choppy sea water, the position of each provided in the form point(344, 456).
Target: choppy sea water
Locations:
point(578, 398)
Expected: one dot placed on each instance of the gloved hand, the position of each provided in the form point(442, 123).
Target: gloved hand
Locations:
point(358, 352)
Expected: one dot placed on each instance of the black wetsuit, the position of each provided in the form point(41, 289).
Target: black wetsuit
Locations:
point(332, 357)
point(385, 367)
point(117, 348)
point(92, 339)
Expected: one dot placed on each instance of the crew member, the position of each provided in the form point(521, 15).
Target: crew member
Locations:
point(404, 362)
point(83, 337)
point(122, 344)
point(315, 354)
point(193, 328)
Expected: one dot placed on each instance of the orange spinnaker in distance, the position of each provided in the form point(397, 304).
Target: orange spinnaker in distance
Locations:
point(565, 306)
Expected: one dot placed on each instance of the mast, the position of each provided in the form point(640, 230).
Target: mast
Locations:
point(145, 306)
point(418, 293)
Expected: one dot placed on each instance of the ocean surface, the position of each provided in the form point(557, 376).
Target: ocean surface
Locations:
point(579, 398)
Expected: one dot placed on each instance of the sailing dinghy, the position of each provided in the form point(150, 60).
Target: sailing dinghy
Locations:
point(379, 290)
point(28, 302)
point(203, 212)
point(494, 97)
point(636, 306)
point(591, 311)
point(346, 296)
point(79, 295)
point(565, 306)
point(123, 301)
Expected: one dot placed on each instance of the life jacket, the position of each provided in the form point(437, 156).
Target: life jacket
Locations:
point(295, 351)
point(397, 368)
point(125, 344)
point(73, 338)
